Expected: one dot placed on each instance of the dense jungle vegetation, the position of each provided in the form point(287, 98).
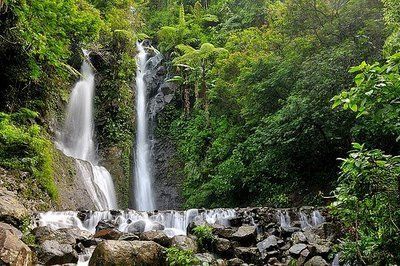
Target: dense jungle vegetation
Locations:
point(271, 94)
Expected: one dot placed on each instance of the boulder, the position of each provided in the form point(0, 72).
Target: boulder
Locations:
point(11, 210)
point(15, 231)
point(226, 232)
point(248, 254)
point(12, 250)
point(235, 262)
point(105, 225)
point(136, 227)
point(298, 237)
point(111, 252)
point(129, 237)
point(50, 252)
point(157, 226)
point(108, 234)
point(296, 249)
point(245, 235)
point(222, 246)
point(185, 243)
point(270, 243)
point(69, 236)
point(316, 261)
point(322, 249)
point(205, 258)
point(156, 236)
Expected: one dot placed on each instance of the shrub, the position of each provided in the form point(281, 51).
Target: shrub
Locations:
point(23, 147)
point(367, 202)
point(204, 235)
point(176, 256)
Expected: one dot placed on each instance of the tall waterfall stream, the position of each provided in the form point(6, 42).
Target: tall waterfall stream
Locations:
point(144, 195)
point(77, 141)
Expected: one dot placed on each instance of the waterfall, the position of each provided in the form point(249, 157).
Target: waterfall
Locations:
point(143, 179)
point(76, 140)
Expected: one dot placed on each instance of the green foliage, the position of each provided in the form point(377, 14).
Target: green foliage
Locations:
point(176, 256)
point(367, 202)
point(27, 235)
point(46, 29)
point(375, 95)
point(257, 120)
point(23, 147)
point(204, 235)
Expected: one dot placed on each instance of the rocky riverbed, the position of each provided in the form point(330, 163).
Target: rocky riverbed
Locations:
point(252, 236)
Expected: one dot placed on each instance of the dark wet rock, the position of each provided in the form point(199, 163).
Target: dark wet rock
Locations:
point(108, 234)
point(297, 249)
point(12, 250)
point(245, 235)
point(50, 252)
point(223, 246)
point(156, 236)
point(316, 261)
point(226, 233)
point(235, 262)
point(248, 254)
point(113, 252)
point(105, 225)
point(288, 231)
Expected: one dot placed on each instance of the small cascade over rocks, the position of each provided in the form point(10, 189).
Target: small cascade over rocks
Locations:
point(77, 140)
point(172, 222)
point(259, 236)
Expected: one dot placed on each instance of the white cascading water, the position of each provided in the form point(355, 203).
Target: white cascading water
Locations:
point(173, 222)
point(143, 179)
point(77, 141)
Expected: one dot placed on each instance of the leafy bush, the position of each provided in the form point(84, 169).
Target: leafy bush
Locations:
point(176, 256)
point(368, 204)
point(23, 147)
point(204, 235)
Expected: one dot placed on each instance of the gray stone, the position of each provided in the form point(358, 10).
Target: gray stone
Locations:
point(136, 227)
point(246, 235)
point(185, 243)
point(111, 252)
point(50, 252)
point(316, 261)
point(297, 249)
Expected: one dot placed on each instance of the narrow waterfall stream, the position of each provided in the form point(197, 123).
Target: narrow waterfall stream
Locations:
point(77, 141)
point(143, 179)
